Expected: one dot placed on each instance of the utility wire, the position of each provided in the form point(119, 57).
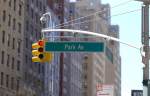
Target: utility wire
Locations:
point(101, 11)
point(127, 12)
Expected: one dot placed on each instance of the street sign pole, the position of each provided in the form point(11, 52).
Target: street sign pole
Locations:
point(46, 30)
point(145, 25)
point(145, 42)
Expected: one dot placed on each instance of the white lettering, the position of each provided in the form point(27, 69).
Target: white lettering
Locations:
point(69, 47)
point(80, 47)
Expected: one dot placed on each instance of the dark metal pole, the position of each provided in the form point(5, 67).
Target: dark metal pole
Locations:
point(61, 69)
point(145, 42)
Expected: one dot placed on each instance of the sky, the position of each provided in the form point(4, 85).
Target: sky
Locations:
point(130, 32)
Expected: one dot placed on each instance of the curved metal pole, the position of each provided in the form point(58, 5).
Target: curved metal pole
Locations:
point(90, 33)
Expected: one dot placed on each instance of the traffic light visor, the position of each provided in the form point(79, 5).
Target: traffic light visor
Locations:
point(35, 46)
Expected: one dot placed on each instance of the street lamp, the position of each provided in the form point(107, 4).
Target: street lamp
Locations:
point(46, 19)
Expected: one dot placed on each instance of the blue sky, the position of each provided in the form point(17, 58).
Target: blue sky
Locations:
point(130, 31)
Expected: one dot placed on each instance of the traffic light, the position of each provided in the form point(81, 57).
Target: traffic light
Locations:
point(39, 54)
point(145, 82)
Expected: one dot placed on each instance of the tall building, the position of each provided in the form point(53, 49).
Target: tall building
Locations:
point(113, 61)
point(115, 66)
point(12, 36)
point(19, 28)
point(82, 72)
point(70, 83)
point(94, 63)
point(100, 68)
point(52, 68)
point(33, 72)
point(72, 60)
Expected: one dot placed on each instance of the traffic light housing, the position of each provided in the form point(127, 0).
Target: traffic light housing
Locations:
point(145, 82)
point(39, 54)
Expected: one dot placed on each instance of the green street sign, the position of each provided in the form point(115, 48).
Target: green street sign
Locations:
point(68, 46)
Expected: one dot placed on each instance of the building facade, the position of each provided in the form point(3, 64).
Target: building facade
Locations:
point(100, 68)
point(20, 27)
point(82, 72)
point(70, 85)
point(33, 73)
point(11, 58)
point(72, 60)
point(52, 68)
point(94, 63)
point(113, 62)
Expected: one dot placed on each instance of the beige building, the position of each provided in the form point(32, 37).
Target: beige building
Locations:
point(113, 65)
point(19, 28)
point(93, 64)
point(11, 50)
point(105, 67)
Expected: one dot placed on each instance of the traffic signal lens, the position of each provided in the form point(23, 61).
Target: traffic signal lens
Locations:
point(41, 56)
point(40, 49)
point(41, 43)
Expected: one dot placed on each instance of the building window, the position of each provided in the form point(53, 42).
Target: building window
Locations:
point(12, 82)
point(20, 9)
point(32, 12)
point(14, 24)
point(10, 3)
point(9, 20)
point(18, 84)
point(2, 61)
point(27, 25)
point(37, 3)
point(85, 57)
point(14, 5)
point(36, 33)
point(39, 68)
point(40, 6)
point(27, 8)
point(18, 65)
point(3, 38)
point(19, 46)
point(13, 62)
point(85, 66)
point(25, 75)
point(8, 38)
point(4, 16)
point(19, 27)
point(26, 42)
point(8, 57)
point(13, 44)
point(4, 0)
point(7, 80)
point(43, 69)
point(2, 78)
point(31, 29)
point(36, 17)
point(26, 59)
